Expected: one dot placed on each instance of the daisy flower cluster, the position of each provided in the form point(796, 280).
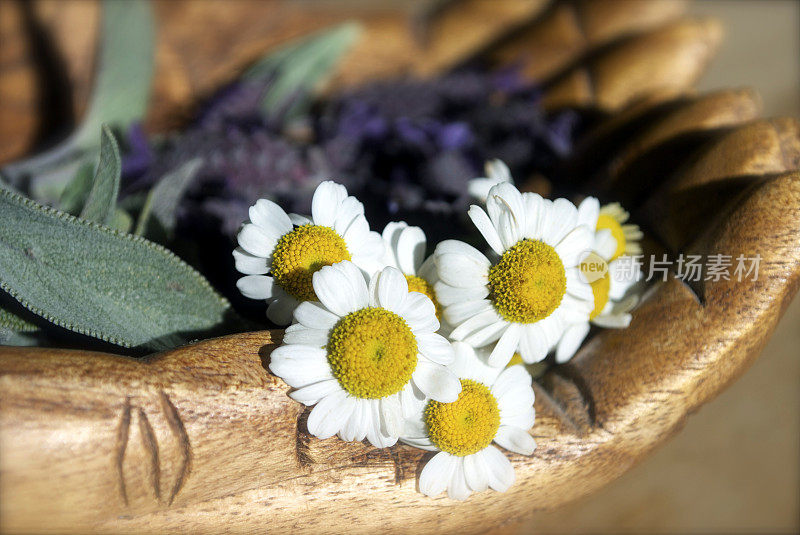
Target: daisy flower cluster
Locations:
point(388, 344)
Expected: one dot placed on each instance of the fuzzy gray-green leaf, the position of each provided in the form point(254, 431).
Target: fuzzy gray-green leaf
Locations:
point(299, 67)
point(77, 191)
point(162, 201)
point(96, 281)
point(122, 87)
point(102, 199)
point(15, 323)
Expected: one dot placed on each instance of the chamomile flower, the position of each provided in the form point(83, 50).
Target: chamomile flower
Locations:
point(495, 405)
point(364, 355)
point(279, 252)
point(611, 284)
point(496, 173)
point(531, 290)
point(405, 250)
point(613, 217)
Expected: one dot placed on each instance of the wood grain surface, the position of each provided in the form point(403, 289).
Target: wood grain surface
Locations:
point(204, 439)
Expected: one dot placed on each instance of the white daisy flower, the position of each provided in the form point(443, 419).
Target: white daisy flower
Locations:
point(627, 236)
point(279, 259)
point(405, 250)
point(364, 356)
point(612, 305)
point(496, 173)
point(525, 297)
point(495, 405)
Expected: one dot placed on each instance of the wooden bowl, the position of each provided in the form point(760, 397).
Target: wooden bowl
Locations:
point(204, 439)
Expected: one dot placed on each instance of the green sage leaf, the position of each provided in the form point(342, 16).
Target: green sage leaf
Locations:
point(297, 69)
point(15, 323)
point(119, 97)
point(93, 280)
point(162, 201)
point(74, 196)
point(102, 200)
point(122, 86)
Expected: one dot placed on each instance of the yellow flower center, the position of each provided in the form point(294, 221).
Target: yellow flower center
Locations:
point(372, 353)
point(302, 252)
point(600, 289)
point(467, 425)
point(606, 221)
point(528, 282)
point(418, 284)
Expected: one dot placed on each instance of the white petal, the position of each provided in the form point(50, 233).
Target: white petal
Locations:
point(551, 328)
point(437, 382)
point(436, 348)
point(391, 416)
point(270, 217)
point(457, 489)
point(368, 252)
point(487, 334)
point(391, 235)
point(575, 246)
point(588, 212)
point(413, 401)
point(350, 211)
point(449, 295)
point(538, 211)
point(325, 203)
point(460, 312)
point(256, 286)
point(613, 321)
point(513, 378)
point(570, 341)
point(375, 435)
point(571, 310)
point(476, 473)
point(459, 247)
point(484, 225)
point(311, 394)
point(436, 474)
point(249, 264)
point(521, 418)
point(475, 323)
point(302, 335)
point(300, 366)
point(505, 200)
point(419, 312)
point(392, 289)
point(315, 316)
point(462, 271)
point(411, 249)
point(354, 429)
point(578, 287)
point(506, 346)
point(515, 439)
point(339, 288)
point(330, 414)
point(501, 473)
point(562, 220)
point(604, 243)
point(280, 310)
point(497, 170)
point(479, 188)
point(533, 346)
point(256, 241)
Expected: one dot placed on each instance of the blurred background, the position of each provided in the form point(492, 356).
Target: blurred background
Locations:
point(735, 467)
